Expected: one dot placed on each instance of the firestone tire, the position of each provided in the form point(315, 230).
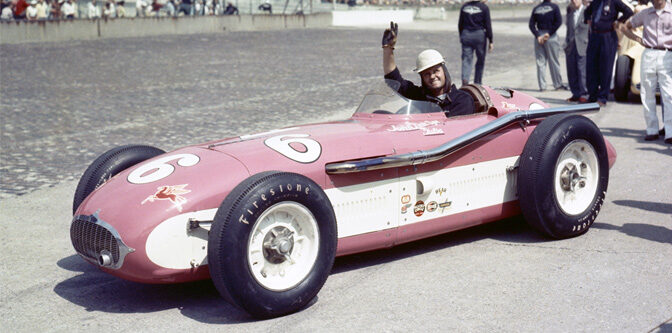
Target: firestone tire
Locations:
point(108, 165)
point(272, 244)
point(622, 78)
point(563, 176)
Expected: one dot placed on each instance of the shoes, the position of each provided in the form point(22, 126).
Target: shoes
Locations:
point(577, 99)
point(652, 137)
point(668, 141)
point(542, 89)
point(562, 87)
point(601, 104)
point(661, 132)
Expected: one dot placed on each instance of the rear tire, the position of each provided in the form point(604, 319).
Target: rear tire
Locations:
point(622, 78)
point(108, 165)
point(563, 176)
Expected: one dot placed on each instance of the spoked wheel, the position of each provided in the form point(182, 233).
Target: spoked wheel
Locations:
point(563, 176)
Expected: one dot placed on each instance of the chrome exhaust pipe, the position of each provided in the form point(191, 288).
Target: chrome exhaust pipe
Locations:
point(105, 258)
point(435, 154)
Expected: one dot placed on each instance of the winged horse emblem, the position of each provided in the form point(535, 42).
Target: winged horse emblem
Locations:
point(171, 193)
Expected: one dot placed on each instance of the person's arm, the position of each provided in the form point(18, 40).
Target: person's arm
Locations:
point(625, 10)
point(557, 20)
point(462, 104)
point(588, 14)
point(533, 24)
point(628, 28)
point(389, 40)
point(488, 26)
point(460, 21)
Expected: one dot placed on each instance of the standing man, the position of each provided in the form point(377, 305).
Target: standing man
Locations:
point(544, 23)
point(601, 16)
point(576, 43)
point(656, 67)
point(474, 27)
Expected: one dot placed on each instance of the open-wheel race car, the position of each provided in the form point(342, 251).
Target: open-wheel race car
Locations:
point(265, 215)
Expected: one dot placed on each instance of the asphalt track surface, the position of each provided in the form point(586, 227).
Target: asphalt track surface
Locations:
point(63, 104)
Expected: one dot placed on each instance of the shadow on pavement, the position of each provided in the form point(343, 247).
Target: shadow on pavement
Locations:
point(95, 290)
point(645, 231)
point(513, 230)
point(660, 207)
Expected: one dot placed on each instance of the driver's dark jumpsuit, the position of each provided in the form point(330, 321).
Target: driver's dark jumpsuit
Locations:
point(455, 103)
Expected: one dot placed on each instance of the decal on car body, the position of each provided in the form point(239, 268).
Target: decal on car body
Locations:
point(283, 144)
point(171, 193)
point(159, 169)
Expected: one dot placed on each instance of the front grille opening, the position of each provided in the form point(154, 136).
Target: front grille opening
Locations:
point(89, 239)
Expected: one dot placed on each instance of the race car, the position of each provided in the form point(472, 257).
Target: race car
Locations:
point(264, 215)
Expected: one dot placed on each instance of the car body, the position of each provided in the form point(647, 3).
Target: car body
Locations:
point(392, 173)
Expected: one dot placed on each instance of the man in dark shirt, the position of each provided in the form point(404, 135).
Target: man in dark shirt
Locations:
point(544, 22)
point(601, 15)
point(436, 84)
point(474, 27)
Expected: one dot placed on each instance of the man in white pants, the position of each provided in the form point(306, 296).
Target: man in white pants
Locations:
point(656, 64)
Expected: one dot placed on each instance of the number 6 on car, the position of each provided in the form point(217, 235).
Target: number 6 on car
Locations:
point(265, 215)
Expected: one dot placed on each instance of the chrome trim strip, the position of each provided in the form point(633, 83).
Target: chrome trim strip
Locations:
point(435, 154)
point(123, 248)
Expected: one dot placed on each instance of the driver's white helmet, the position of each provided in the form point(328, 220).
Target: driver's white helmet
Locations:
point(426, 59)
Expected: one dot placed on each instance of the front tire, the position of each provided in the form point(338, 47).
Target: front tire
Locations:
point(108, 165)
point(622, 78)
point(563, 176)
point(272, 244)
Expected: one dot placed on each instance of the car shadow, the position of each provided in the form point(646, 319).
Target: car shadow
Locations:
point(514, 230)
point(95, 290)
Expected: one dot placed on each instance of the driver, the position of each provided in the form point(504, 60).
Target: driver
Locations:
point(436, 84)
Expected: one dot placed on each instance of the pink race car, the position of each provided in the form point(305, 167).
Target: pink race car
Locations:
point(264, 215)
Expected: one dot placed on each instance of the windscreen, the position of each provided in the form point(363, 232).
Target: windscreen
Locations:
point(383, 98)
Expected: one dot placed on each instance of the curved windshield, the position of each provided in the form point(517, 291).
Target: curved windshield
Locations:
point(383, 98)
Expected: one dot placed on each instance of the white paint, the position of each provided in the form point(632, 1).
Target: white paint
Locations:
point(160, 168)
point(170, 245)
point(364, 208)
point(281, 144)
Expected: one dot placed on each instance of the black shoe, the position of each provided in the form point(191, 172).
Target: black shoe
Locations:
point(651, 137)
point(562, 87)
point(661, 132)
point(668, 141)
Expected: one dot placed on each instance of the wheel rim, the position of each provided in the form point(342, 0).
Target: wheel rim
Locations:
point(576, 176)
point(283, 246)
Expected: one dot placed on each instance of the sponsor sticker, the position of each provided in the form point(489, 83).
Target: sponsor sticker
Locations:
point(440, 191)
point(445, 205)
point(431, 206)
point(171, 193)
point(404, 208)
point(419, 208)
point(405, 199)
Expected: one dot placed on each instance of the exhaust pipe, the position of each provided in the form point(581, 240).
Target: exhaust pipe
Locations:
point(105, 258)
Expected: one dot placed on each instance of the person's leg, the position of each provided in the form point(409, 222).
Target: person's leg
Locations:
point(480, 57)
point(647, 92)
point(553, 48)
point(573, 76)
point(581, 69)
point(467, 57)
point(665, 83)
point(592, 66)
point(540, 56)
point(607, 57)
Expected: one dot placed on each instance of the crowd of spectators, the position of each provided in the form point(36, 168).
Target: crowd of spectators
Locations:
point(41, 10)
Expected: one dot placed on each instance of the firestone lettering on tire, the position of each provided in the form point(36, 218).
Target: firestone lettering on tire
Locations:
point(271, 192)
point(159, 169)
point(282, 144)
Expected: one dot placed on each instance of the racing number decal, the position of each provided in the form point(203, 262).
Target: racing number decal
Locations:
point(160, 168)
point(282, 144)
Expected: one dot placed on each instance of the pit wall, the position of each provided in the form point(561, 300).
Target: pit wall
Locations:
point(85, 29)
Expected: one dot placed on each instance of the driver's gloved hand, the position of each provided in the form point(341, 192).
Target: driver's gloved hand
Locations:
point(390, 35)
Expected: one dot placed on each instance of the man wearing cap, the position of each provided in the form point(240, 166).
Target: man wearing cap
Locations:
point(601, 16)
point(436, 83)
point(656, 67)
